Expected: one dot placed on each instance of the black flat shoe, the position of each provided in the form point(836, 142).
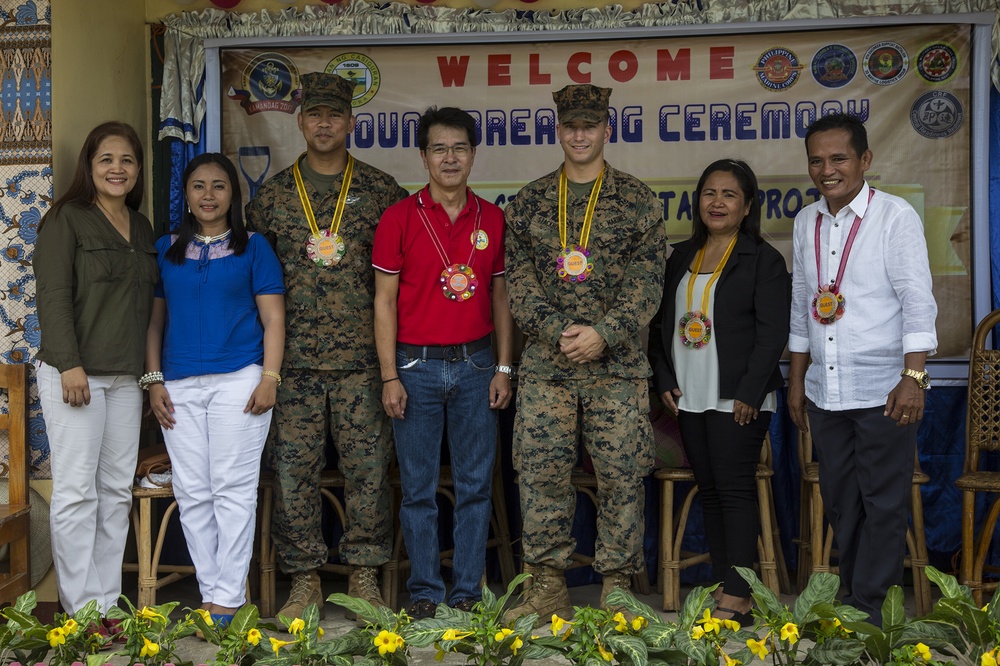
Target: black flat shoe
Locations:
point(744, 619)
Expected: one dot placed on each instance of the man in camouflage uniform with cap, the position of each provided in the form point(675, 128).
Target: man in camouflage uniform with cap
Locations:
point(330, 374)
point(581, 288)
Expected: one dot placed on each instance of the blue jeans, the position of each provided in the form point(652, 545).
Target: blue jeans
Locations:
point(456, 392)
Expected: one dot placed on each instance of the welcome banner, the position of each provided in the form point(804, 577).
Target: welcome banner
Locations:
point(678, 103)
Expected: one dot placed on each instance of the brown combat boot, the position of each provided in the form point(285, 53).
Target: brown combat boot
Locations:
point(363, 584)
point(612, 580)
point(306, 590)
point(546, 597)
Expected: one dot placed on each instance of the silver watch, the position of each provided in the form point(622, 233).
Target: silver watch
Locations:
point(507, 370)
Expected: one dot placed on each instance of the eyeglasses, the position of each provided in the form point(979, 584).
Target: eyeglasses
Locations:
point(460, 150)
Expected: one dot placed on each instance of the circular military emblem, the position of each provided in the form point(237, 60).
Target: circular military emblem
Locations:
point(270, 76)
point(480, 239)
point(834, 66)
point(937, 114)
point(885, 63)
point(937, 63)
point(360, 70)
point(777, 69)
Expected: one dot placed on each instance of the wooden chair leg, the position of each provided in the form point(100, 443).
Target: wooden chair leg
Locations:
point(768, 568)
point(268, 555)
point(668, 564)
point(918, 554)
point(805, 535)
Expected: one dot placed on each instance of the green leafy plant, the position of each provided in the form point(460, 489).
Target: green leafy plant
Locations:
point(386, 639)
point(150, 637)
point(482, 635)
point(73, 638)
point(236, 640)
point(305, 647)
point(22, 638)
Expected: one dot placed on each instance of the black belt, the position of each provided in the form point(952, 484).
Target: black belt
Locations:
point(448, 353)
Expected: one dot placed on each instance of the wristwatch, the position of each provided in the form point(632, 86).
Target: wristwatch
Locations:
point(923, 379)
point(507, 370)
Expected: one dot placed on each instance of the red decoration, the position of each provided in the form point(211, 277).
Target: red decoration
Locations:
point(225, 4)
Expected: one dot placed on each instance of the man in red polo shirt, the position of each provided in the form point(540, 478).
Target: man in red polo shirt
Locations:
point(439, 295)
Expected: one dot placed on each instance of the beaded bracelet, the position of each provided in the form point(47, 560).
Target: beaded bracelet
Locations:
point(149, 379)
point(272, 374)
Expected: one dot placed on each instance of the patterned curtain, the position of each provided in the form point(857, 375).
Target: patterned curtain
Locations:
point(26, 193)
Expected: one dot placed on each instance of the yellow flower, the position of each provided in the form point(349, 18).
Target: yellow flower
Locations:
point(56, 637)
point(204, 615)
point(732, 625)
point(439, 655)
point(387, 641)
point(758, 647)
point(320, 632)
point(558, 623)
point(639, 623)
point(70, 627)
point(697, 633)
point(790, 633)
point(730, 661)
point(988, 659)
point(297, 625)
point(622, 624)
point(455, 635)
point(277, 645)
point(607, 656)
point(567, 633)
point(147, 613)
point(254, 636)
point(516, 645)
point(710, 623)
point(923, 651)
point(149, 648)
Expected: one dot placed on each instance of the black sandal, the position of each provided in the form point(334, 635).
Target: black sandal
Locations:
point(744, 619)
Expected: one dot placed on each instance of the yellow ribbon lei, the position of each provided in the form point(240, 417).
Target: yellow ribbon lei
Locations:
point(588, 216)
point(715, 275)
point(338, 212)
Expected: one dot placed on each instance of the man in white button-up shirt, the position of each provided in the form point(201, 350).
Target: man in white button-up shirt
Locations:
point(863, 312)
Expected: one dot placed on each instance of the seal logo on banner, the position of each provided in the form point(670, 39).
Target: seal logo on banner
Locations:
point(777, 69)
point(270, 83)
point(937, 114)
point(885, 63)
point(937, 63)
point(834, 66)
point(360, 70)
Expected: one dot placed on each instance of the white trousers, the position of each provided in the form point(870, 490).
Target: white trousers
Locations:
point(94, 449)
point(215, 452)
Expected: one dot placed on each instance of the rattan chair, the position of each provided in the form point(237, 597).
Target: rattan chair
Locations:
point(672, 527)
point(15, 525)
point(982, 433)
point(816, 537)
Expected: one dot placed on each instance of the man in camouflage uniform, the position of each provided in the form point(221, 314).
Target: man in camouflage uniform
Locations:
point(581, 299)
point(330, 373)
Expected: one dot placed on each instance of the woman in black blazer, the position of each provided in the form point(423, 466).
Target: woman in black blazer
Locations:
point(714, 347)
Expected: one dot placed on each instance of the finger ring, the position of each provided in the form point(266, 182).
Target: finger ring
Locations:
point(906, 416)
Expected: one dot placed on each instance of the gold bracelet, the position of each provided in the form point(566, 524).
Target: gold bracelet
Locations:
point(273, 375)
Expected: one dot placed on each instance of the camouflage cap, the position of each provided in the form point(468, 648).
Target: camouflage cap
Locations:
point(321, 89)
point(584, 102)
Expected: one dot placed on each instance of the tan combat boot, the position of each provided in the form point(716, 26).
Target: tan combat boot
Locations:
point(306, 590)
point(363, 584)
point(546, 597)
point(612, 580)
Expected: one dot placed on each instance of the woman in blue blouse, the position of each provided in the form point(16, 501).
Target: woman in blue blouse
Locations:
point(213, 352)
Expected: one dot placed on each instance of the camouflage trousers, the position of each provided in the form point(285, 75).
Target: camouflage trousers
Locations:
point(348, 405)
point(607, 415)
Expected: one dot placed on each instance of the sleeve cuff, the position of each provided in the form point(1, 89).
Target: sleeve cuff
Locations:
point(798, 345)
point(920, 342)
